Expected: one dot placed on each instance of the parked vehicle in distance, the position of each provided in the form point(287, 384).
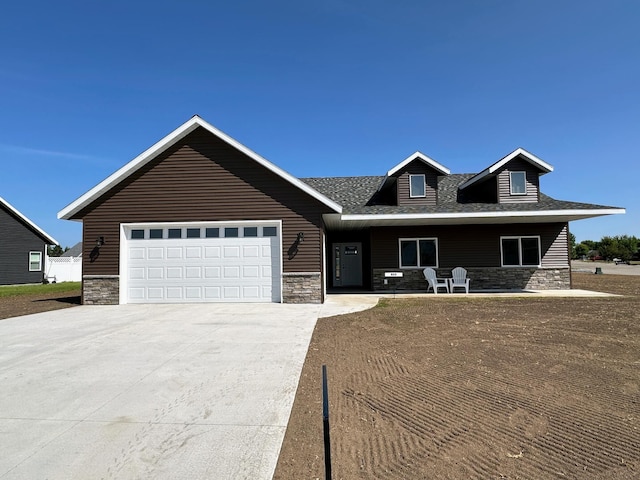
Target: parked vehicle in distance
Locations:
point(618, 261)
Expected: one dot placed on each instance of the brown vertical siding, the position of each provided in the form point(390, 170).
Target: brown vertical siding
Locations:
point(532, 179)
point(403, 188)
point(202, 178)
point(469, 245)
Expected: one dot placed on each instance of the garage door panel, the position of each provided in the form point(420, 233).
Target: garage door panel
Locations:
point(203, 269)
point(192, 293)
point(137, 273)
point(174, 272)
point(155, 292)
point(193, 272)
point(154, 273)
point(212, 293)
point(231, 292)
point(211, 272)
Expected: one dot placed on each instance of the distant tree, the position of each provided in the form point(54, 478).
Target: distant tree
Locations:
point(590, 244)
point(56, 250)
point(581, 250)
point(620, 246)
point(572, 245)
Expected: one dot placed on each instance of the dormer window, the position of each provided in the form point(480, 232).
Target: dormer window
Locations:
point(417, 186)
point(518, 181)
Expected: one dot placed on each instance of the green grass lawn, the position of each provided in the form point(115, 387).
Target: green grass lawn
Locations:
point(15, 290)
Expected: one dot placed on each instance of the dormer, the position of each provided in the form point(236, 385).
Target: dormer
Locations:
point(512, 179)
point(414, 181)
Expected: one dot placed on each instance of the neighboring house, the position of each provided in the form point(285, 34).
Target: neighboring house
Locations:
point(67, 267)
point(198, 217)
point(23, 247)
point(75, 251)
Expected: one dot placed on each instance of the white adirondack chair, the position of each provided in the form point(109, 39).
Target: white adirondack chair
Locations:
point(459, 279)
point(435, 282)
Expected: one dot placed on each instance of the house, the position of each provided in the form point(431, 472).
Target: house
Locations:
point(23, 247)
point(75, 251)
point(199, 217)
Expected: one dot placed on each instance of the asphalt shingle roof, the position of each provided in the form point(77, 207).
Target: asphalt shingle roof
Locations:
point(358, 195)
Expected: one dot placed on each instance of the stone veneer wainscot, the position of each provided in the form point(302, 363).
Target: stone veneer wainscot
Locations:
point(302, 287)
point(486, 278)
point(101, 290)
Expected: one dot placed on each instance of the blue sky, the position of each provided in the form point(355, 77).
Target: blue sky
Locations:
point(329, 88)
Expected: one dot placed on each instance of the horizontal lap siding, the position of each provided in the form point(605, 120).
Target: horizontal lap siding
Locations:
point(404, 191)
point(504, 182)
point(202, 179)
point(16, 242)
point(469, 245)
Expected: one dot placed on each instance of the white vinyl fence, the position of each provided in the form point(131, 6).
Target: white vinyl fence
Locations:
point(64, 269)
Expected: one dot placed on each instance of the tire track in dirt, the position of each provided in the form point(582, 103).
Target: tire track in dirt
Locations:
point(554, 439)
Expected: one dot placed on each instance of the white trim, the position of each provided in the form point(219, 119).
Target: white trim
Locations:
point(415, 156)
point(182, 131)
point(417, 240)
point(511, 192)
point(472, 215)
point(47, 237)
point(530, 157)
point(39, 269)
point(424, 185)
point(519, 238)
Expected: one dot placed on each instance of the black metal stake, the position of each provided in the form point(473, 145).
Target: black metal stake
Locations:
point(325, 425)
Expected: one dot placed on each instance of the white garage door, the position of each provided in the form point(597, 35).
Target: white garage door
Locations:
point(237, 262)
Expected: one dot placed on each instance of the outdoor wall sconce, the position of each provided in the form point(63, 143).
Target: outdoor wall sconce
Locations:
point(293, 249)
point(99, 242)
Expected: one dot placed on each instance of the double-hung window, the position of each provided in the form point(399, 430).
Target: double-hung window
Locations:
point(35, 261)
point(418, 252)
point(518, 182)
point(520, 251)
point(417, 186)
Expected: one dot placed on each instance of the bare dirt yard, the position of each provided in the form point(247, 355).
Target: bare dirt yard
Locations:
point(484, 388)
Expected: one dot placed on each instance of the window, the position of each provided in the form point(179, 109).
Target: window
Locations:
point(155, 233)
point(212, 232)
point(269, 231)
point(518, 181)
point(193, 233)
point(520, 251)
point(250, 231)
point(417, 186)
point(418, 252)
point(175, 233)
point(35, 261)
point(137, 234)
point(231, 232)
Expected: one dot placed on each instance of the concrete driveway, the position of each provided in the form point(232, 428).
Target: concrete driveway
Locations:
point(151, 391)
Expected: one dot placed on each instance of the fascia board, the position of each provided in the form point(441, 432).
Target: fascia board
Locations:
point(531, 158)
point(45, 235)
point(419, 156)
point(478, 215)
point(166, 142)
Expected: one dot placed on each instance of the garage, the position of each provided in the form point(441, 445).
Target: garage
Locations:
point(201, 262)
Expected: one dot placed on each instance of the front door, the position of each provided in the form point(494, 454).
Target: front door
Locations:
point(347, 264)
